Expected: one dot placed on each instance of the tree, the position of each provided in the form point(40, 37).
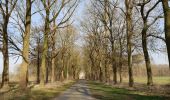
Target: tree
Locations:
point(108, 22)
point(26, 45)
point(48, 5)
point(166, 8)
point(121, 40)
point(129, 31)
point(146, 26)
point(6, 8)
point(105, 12)
point(36, 52)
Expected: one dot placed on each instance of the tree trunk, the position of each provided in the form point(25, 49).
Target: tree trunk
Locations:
point(147, 58)
point(114, 67)
point(62, 75)
point(166, 9)
point(120, 68)
point(101, 73)
point(26, 40)
point(53, 78)
point(62, 69)
point(114, 72)
point(120, 74)
point(129, 50)
point(129, 30)
point(38, 66)
point(53, 70)
point(107, 73)
point(120, 60)
point(45, 49)
point(146, 55)
point(67, 68)
point(74, 72)
point(47, 71)
point(5, 74)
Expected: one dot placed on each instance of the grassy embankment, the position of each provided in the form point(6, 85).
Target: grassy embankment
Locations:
point(37, 92)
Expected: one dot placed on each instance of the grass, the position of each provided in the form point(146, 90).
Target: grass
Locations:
point(38, 93)
point(105, 92)
point(157, 80)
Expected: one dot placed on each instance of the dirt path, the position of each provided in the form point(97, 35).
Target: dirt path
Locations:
point(78, 91)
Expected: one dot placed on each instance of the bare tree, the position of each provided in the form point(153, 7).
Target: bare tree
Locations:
point(48, 5)
point(6, 8)
point(146, 26)
point(26, 45)
point(129, 31)
point(36, 49)
point(166, 8)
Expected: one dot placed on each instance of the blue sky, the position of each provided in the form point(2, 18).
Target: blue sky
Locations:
point(158, 58)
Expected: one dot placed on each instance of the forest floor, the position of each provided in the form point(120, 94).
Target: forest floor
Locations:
point(36, 92)
point(123, 92)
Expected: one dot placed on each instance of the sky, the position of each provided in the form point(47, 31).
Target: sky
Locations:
point(158, 58)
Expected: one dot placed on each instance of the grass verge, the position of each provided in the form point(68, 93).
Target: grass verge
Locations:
point(106, 92)
point(37, 93)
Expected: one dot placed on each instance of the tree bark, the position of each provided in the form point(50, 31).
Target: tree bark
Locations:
point(38, 60)
point(38, 66)
point(120, 62)
point(100, 72)
point(53, 78)
point(26, 40)
point(45, 48)
point(166, 9)
point(114, 67)
point(5, 74)
point(114, 71)
point(53, 70)
point(107, 75)
point(62, 69)
point(129, 30)
point(146, 55)
point(67, 69)
point(74, 72)
point(47, 70)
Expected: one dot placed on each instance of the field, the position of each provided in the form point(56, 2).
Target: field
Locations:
point(157, 80)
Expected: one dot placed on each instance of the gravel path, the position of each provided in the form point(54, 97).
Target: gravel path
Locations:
point(78, 91)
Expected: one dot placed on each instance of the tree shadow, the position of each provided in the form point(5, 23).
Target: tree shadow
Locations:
point(105, 92)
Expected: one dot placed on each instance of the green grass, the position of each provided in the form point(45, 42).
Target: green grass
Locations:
point(36, 93)
point(105, 92)
point(157, 80)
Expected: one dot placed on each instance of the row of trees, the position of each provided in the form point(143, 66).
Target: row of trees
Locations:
point(118, 33)
point(122, 33)
point(46, 46)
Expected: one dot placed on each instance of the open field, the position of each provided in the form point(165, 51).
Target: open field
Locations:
point(36, 92)
point(164, 80)
point(106, 92)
